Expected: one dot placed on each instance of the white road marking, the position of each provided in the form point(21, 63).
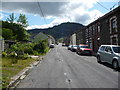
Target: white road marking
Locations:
point(65, 74)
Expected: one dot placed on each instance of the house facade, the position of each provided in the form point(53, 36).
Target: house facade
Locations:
point(80, 36)
point(104, 30)
point(73, 39)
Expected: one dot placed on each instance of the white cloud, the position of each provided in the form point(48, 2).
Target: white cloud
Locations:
point(1, 16)
point(56, 21)
point(72, 11)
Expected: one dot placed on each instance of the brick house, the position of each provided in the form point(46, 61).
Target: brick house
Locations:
point(92, 33)
point(110, 27)
point(67, 40)
point(80, 36)
point(104, 30)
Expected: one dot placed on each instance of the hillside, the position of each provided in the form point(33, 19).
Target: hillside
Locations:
point(58, 31)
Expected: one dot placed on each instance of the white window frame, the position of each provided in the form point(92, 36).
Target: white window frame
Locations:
point(112, 37)
point(115, 18)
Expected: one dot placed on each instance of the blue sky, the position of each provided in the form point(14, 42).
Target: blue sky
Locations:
point(56, 13)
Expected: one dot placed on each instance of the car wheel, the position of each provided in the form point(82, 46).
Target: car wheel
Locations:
point(115, 64)
point(98, 59)
point(90, 54)
point(77, 52)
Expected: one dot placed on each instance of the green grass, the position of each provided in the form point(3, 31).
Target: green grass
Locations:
point(12, 66)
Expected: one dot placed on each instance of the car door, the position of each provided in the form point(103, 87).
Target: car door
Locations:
point(108, 54)
point(102, 52)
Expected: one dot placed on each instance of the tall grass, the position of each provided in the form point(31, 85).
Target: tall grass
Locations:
point(12, 66)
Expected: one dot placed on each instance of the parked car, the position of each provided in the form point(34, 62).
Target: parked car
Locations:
point(109, 54)
point(52, 45)
point(69, 47)
point(84, 50)
point(74, 48)
point(63, 44)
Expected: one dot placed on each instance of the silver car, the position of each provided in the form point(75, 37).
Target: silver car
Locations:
point(69, 47)
point(109, 54)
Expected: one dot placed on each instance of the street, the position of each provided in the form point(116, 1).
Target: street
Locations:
point(62, 68)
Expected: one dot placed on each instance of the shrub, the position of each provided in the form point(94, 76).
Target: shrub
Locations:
point(35, 53)
point(30, 48)
point(4, 54)
point(13, 54)
point(41, 46)
point(25, 56)
point(23, 47)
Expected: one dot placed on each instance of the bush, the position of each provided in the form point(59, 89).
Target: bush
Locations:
point(30, 48)
point(23, 47)
point(35, 53)
point(25, 56)
point(41, 46)
point(4, 54)
point(13, 54)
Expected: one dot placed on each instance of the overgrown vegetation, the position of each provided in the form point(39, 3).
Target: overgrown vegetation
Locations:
point(16, 57)
point(12, 66)
point(38, 48)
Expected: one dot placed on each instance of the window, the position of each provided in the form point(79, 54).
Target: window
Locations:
point(84, 47)
point(114, 40)
point(102, 48)
point(93, 30)
point(98, 28)
point(116, 49)
point(107, 49)
point(113, 25)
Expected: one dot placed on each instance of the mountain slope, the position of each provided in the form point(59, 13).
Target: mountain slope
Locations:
point(58, 31)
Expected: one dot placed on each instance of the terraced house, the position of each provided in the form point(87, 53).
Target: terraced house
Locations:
point(104, 30)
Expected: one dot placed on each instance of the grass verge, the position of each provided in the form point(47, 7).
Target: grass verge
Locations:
point(12, 66)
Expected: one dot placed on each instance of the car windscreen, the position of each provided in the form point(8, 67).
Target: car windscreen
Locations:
point(116, 49)
point(84, 47)
point(75, 45)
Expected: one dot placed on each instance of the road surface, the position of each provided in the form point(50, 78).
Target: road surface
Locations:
point(62, 68)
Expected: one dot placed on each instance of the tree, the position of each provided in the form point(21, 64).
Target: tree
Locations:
point(7, 34)
point(11, 18)
point(19, 33)
point(23, 20)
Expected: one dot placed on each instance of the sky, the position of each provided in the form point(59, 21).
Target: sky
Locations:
point(48, 13)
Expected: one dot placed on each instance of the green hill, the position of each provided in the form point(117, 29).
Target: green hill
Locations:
point(59, 31)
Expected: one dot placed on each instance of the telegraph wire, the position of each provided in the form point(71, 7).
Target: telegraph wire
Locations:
point(113, 6)
point(102, 6)
point(41, 12)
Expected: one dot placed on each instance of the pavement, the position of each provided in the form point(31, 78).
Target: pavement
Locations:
point(62, 68)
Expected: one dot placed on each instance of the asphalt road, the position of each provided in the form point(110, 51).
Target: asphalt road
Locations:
point(62, 68)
